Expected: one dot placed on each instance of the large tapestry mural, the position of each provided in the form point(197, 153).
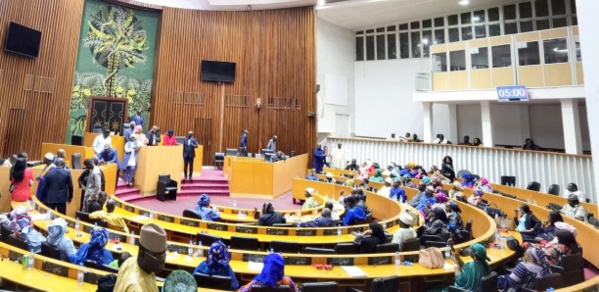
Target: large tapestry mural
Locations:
point(116, 59)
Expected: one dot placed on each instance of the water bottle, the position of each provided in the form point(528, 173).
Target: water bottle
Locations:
point(190, 249)
point(150, 215)
point(95, 225)
point(200, 250)
point(384, 223)
point(48, 215)
point(132, 239)
point(339, 231)
point(502, 222)
point(447, 251)
point(30, 260)
point(326, 198)
point(33, 204)
point(80, 275)
point(272, 250)
point(550, 289)
point(77, 225)
point(397, 259)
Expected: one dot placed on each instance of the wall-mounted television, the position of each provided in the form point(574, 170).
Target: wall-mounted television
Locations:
point(217, 71)
point(23, 40)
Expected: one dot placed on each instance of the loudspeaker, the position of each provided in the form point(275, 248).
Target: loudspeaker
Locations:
point(317, 88)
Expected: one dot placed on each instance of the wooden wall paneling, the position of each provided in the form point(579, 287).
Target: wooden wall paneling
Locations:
point(275, 56)
point(46, 105)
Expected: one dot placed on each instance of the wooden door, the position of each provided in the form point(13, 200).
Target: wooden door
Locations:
point(14, 132)
point(203, 132)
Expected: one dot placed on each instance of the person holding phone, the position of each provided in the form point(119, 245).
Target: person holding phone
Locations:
point(468, 276)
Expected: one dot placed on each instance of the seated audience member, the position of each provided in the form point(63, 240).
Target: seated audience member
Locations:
point(341, 197)
point(428, 195)
point(574, 209)
point(353, 212)
point(390, 170)
point(405, 231)
point(530, 145)
point(466, 141)
point(415, 138)
point(369, 239)
point(217, 263)
point(468, 181)
point(335, 210)
point(169, 138)
point(353, 166)
point(97, 204)
point(527, 223)
point(440, 140)
point(456, 191)
point(397, 193)
point(312, 175)
point(272, 275)
point(526, 273)
point(329, 178)
point(475, 198)
point(406, 181)
point(469, 275)
point(477, 142)
point(548, 228)
point(122, 258)
point(21, 179)
point(360, 199)
point(94, 250)
point(10, 161)
point(422, 193)
point(56, 238)
point(365, 170)
point(378, 176)
point(324, 220)
point(310, 201)
point(407, 138)
point(440, 201)
point(384, 191)
point(435, 172)
point(203, 209)
point(437, 224)
point(115, 221)
point(453, 212)
point(269, 216)
point(392, 137)
point(573, 189)
point(365, 185)
point(350, 182)
point(32, 237)
point(109, 155)
point(566, 245)
point(484, 185)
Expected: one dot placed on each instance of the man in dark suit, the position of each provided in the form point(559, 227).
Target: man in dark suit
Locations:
point(153, 136)
point(189, 153)
point(243, 143)
point(109, 155)
point(138, 119)
point(57, 188)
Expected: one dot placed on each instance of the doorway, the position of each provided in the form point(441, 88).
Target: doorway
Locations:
point(341, 125)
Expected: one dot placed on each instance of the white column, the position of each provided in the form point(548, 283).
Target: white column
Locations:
point(487, 123)
point(427, 115)
point(452, 117)
point(588, 24)
point(571, 124)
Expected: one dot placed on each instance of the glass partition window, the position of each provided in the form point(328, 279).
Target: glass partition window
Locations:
point(528, 53)
point(439, 36)
point(404, 45)
point(578, 55)
point(391, 47)
point(415, 39)
point(502, 56)
point(479, 58)
point(457, 60)
point(427, 40)
point(360, 49)
point(556, 51)
point(370, 48)
point(440, 62)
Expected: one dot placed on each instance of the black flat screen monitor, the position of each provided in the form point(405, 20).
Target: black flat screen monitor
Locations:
point(23, 40)
point(217, 71)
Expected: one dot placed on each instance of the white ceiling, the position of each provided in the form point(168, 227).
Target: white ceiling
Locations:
point(231, 4)
point(361, 14)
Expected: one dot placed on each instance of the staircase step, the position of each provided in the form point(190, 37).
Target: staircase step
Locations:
point(132, 197)
point(185, 192)
point(126, 191)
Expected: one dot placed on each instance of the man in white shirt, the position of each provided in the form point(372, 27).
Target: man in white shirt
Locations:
point(392, 138)
point(100, 141)
point(385, 191)
point(573, 189)
point(573, 209)
point(405, 231)
point(339, 157)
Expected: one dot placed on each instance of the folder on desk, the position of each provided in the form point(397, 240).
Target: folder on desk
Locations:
point(354, 271)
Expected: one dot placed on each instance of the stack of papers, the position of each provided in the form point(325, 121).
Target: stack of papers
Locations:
point(354, 271)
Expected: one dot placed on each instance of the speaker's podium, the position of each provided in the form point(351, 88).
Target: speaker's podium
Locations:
point(153, 161)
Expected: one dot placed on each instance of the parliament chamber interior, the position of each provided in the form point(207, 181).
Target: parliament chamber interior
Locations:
point(220, 145)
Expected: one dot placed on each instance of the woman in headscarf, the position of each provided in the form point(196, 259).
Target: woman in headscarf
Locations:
point(447, 168)
point(525, 274)
point(269, 216)
point(437, 224)
point(475, 198)
point(440, 201)
point(372, 237)
point(272, 275)
point(94, 250)
point(169, 138)
point(468, 276)
point(468, 181)
point(453, 211)
point(548, 230)
point(21, 181)
point(435, 172)
point(566, 245)
point(56, 238)
point(140, 137)
point(456, 191)
point(484, 185)
point(203, 209)
point(217, 263)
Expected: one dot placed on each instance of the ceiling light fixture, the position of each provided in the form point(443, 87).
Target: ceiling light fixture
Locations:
point(464, 2)
point(321, 2)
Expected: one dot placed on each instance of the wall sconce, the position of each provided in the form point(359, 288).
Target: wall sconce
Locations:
point(259, 103)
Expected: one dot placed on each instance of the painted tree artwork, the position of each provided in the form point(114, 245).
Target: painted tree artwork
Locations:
point(116, 59)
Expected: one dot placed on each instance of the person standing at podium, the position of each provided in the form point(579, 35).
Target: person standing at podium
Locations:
point(272, 144)
point(100, 141)
point(189, 154)
point(243, 143)
point(153, 136)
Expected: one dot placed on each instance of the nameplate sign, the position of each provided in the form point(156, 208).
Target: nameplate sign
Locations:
point(374, 261)
point(355, 229)
point(340, 261)
point(87, 229)
point(177, 248)
point(300, 261)
point(118, 204)
point(257, 258)
point(145, 213)
point(91, 278)
point(14, 256)
point(55, 269)
point(166, 218)
point(329, 231)
point(246, 229)
point(305, 232)
point(216, 226)
point(272, 231)
point(191, 223)
point(130, 209)
point(71, 224)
